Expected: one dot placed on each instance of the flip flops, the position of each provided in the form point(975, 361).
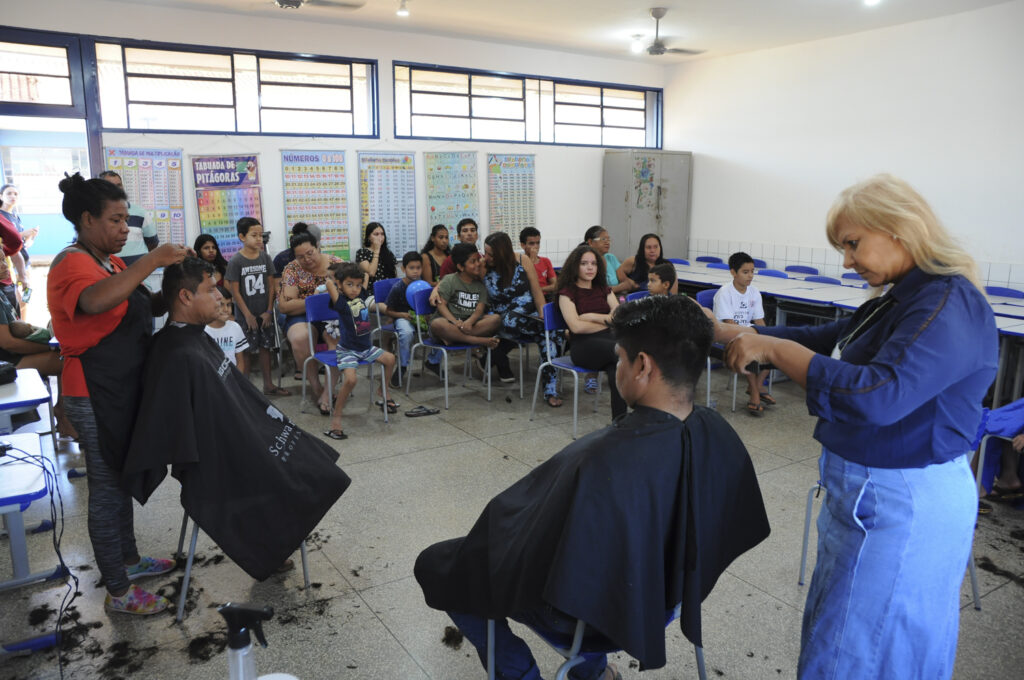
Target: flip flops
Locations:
point(422, 411)
point(391, 405)
point(766, 398)
point(755, 409)
point(336, 434)
point(277, 392)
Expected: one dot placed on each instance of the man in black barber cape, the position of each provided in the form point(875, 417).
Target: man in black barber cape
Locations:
point(620, 526)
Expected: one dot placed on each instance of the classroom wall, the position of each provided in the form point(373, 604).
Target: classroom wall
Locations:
point(568, 178)
point(776, 134)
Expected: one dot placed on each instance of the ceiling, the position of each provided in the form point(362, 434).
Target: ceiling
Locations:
point(604, 27)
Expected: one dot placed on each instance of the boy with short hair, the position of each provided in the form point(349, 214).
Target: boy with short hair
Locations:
point(398, 309)
point(354, 343)
point(661, 278)
point(740, 303)
point(462, 297)
point(250, 278)
point(228, 334)
point(466, 231)
point(529, 238)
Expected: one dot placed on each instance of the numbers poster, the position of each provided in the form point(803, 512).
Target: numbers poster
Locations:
point(511, 195)
point(452, 192)
point(153, 181)
point(315, 193)
point(227, 189)
point(387, 194)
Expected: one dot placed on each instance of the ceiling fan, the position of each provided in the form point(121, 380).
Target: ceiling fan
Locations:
point(340, 4)
point(657, 48)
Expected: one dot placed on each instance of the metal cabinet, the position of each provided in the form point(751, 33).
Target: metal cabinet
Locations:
point(647, 192)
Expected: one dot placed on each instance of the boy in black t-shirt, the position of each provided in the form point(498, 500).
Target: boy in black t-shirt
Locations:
point(354, 342)
point(399, 310)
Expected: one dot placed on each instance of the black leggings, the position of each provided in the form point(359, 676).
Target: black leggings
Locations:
point(597, 351)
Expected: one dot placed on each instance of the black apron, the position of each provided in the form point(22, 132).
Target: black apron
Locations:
point(113, 374)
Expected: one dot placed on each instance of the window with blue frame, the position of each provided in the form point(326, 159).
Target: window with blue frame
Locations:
point(447, 103)
point(152, 88)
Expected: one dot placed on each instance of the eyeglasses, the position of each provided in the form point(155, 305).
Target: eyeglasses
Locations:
point(603, 239)
point(311, 255)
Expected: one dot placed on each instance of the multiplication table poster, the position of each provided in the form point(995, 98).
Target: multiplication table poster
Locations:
point(152, 179)
point(387, 194)
point(227, 189)
point(315, 193)
point(511, 193)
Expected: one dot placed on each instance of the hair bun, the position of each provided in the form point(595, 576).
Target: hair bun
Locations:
point(71, 182)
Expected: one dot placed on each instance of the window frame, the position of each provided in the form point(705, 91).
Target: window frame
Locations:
point(654, 120)
point(73, 45)
point(373, 79)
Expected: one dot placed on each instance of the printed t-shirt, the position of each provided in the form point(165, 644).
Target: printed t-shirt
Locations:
point(230, 339)
point(76, 330)
point(462, 297)
point(253, 278)
point(354, 323)
point(743, 308)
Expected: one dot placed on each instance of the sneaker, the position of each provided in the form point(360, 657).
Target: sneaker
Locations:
point(136, 601)
point(505, 373)
point(148, 566)
point(396, 377)
point(590, 386)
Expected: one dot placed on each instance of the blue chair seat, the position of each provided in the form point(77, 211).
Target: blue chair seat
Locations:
point(759, 263)
point(801, 269)
point(1003, 291)
point(677, 260)
point(709, 258)
point(824, 279)
point(772, 272)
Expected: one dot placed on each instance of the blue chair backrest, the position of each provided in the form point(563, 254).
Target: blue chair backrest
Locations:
point(718, 265)
point(677, 260)
point(824, 279)
point(801, 269)
point(382, 288)
point(553, 319)
point(1004, 292)
point(853, 275)
point(709, 258)
point(772, 272)
point(421, 302)
point(706, 298)
point(318, 308)
point(637, 295)
point(760, 264)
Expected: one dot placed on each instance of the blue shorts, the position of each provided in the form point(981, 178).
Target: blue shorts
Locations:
point(351, 358)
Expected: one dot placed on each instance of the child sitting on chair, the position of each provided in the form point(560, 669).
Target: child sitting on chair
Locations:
point(228, 333)
point(740, 303)
point(399, 310)
point(661, 278)
point(354, 341)
point(461, 298)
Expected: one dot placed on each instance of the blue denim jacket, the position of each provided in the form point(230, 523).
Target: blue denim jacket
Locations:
point(915, 366)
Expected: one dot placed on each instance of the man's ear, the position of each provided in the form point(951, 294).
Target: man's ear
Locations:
point(185, 297)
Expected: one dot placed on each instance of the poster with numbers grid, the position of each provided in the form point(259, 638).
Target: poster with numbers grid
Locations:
point(452, 191)
point(153, 181)
point(387, 194)
point(511, 193)
point(315, 192)
point(227, 189)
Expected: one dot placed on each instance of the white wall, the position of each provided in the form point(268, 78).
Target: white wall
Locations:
point(568, 178)
point(778, 133)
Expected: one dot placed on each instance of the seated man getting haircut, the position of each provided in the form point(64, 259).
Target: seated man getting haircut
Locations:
point(620, 526)
point(250, 478)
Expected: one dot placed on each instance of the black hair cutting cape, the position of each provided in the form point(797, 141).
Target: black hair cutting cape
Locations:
point(250, 478)
point(616, 529)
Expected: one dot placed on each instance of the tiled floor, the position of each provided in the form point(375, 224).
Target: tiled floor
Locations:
point(417, 481)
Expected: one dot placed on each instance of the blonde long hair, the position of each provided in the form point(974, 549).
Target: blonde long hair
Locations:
point(888, 204)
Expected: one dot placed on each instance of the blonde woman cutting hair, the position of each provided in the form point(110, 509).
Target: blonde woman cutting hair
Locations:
point(897, 389)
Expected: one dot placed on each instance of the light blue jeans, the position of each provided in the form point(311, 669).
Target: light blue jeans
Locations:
point(406, 335)
point(893, 546)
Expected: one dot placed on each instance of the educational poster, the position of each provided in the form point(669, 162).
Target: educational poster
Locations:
point(227, 189)
point(452, 192)
point(315, 193)
point(153, 181)
point(643, 181)
point(387, 194)
point(511, 194)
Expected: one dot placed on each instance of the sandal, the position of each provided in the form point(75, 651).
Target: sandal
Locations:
point(553, 400)
point(277, 392)
point(1001, 494)
point(422, 411)
point(336, 434)
point(297, 376)
point(768, 399)
point(391, 405)
point(755, 409)
point(323, 411)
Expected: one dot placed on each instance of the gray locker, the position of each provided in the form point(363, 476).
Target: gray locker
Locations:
point(647, 192)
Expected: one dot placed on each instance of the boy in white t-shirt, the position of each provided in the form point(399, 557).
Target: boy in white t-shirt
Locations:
point(228, 333)
point(740, 303)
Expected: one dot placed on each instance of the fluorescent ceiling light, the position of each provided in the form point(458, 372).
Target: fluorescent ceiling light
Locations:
point(637, 46)
point(403, 11)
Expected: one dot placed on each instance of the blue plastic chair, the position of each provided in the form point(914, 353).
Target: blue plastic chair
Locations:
point(772, 272)
point(853, 276)
point(760, 264)
point(1002, 291)
point(571, 648)
point(706, 298)
point(718, 265)
point(554, 322)
point(709, 258)
point(801, 269)
point(637, 295)
point(823, 279)
point(318, 308)
point(381, 290)
point(677, 260)
point(421, 305)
